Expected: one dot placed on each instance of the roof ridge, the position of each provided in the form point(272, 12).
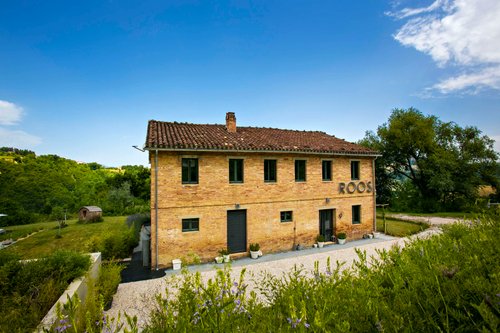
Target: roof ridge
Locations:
point(256, 127)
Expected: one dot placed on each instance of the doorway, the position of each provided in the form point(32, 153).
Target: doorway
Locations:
point(326, 223)
point(237, 231)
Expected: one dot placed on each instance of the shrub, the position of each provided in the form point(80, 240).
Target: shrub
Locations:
point(446, 283)
point(224, 252)
point(93, 219)
point(342, 235)
point(254, 247)
point(109, 279)
point(320, 238)
point(114, 245)
point(30, 288)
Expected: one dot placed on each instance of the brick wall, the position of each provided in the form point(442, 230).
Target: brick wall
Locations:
point(213, 196)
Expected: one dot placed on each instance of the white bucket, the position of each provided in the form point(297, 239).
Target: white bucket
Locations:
point(176, 264)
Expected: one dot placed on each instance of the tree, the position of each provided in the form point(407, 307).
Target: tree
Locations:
point(443, 161)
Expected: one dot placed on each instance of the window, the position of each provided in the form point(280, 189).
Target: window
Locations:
point(286, 216)
point(300, 170)
point(355, 170)
point(327, 170)
point(236, 171)
point(356, 214)
point(270, 171)
point(190, 171)
point(190, 224)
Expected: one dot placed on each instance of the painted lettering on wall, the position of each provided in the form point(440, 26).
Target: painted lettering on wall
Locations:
point(352, 187)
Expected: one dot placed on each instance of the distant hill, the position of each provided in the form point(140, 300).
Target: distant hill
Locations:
point(35, 188)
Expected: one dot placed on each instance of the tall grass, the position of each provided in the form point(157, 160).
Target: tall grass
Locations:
point(447, 283)
point(29, 289)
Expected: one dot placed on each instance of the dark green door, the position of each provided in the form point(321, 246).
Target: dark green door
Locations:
point(237, 231)
point(326, 217)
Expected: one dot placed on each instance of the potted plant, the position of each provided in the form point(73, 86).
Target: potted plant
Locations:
point(320, 239)
point(219, 259)
point(341, 237)
point(225, 254)
point(254, 250)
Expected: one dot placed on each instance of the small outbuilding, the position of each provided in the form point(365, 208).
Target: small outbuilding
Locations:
point(89, 213)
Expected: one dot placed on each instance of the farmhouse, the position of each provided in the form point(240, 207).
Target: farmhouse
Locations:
point(224, 186)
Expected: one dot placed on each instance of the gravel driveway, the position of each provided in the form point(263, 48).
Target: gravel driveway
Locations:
point(432, 220)
point(137, 298)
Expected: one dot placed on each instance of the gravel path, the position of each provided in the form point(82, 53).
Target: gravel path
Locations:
point(138, 298)
point(432, 220)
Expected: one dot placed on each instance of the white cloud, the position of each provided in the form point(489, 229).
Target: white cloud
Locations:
point(462, 34)
point(10, 113)
point(18, 139)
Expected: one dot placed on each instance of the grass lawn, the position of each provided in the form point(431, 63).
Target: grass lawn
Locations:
point(440, 214)
point(20, 231)
point(75, 236)
point(400, 228)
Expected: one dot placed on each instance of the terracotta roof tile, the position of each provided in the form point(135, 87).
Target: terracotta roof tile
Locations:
point(185, 136)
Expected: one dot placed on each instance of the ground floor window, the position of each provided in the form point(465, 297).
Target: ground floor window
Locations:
point(286, 216)
point(191, 224)
point(356, 214)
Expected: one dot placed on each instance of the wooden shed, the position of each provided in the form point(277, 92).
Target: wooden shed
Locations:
point(89, 213)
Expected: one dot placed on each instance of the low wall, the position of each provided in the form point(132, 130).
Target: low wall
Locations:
point(79, 287)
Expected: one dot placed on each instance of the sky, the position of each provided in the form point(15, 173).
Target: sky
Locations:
point(81, 79)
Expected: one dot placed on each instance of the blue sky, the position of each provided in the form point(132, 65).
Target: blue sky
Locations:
point(81, 79)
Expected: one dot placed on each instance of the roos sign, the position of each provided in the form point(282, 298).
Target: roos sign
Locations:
point(352, 187)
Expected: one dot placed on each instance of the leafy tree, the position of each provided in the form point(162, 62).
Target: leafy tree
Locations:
point(445, 162)
point(37, 187)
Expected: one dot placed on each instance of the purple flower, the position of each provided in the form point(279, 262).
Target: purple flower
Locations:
point(306, 325)
point(289, 320)
point(237, 302)
point(235, 284)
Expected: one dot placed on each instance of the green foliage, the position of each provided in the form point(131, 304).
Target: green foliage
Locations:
point(399, 228)
point(109, 279)
point(89, 318)
point(118, 245)
point(29, 289)
point(444, 162)
point(36, 188)
point(446, 283)
point(221, 305)
point(342, 235)
point(320, 238)
point(254, 247)
point(76, 237)
point(224, 252)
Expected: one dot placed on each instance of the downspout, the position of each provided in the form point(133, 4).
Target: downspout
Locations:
point(156, 206)
point(374, 196)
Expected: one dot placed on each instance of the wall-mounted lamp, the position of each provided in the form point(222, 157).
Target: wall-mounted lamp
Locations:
point(237, 206)
point(340, 215)
point(138, 148)
point(327, 200)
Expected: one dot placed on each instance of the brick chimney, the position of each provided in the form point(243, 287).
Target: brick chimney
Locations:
point(231, 122)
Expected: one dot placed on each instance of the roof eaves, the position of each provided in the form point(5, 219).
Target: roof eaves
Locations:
point(269, 150)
